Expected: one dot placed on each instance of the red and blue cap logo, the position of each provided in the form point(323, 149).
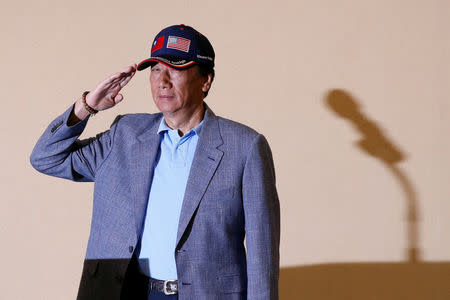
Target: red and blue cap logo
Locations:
point(179, 47)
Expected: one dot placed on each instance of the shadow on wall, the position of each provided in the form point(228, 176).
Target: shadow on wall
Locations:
point(410, 280)
point(367, 281)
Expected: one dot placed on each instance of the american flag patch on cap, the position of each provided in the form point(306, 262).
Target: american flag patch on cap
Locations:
point(179, 43)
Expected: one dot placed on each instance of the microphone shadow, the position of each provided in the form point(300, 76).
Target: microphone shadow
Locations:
point(409, 280)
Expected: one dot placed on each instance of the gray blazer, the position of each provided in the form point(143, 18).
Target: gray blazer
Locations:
point(230, 195)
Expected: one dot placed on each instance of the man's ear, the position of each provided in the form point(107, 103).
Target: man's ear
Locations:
point(207, 84)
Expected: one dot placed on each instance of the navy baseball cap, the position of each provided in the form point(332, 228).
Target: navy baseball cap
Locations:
point(179, 47)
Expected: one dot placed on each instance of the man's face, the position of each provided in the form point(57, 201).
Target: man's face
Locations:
point(176, 91)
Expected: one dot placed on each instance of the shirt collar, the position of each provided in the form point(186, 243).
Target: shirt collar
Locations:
point(163, 127)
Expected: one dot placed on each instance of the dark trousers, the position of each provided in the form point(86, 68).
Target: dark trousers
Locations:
point(136, 286)
point(154, 295)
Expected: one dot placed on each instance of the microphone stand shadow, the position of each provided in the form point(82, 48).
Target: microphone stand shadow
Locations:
point(412, 279)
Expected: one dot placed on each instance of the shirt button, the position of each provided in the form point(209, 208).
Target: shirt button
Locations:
point(131, 248)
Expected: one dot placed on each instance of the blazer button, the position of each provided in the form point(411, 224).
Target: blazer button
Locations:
point(131, 248)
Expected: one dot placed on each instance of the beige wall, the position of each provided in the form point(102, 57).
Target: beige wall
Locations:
point(352, 96)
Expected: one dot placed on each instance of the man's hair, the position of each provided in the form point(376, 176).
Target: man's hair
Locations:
point(205, 70)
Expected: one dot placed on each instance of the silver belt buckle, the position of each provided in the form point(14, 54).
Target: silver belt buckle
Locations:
point(170, 291)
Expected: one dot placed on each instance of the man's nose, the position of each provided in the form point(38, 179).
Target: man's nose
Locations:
point(164, 81)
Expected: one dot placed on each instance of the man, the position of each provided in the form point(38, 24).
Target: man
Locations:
point(175, 192)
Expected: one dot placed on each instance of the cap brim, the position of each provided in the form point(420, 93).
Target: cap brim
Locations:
point(176, 64)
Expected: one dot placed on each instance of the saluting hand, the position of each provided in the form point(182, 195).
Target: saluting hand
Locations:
point(105, 95)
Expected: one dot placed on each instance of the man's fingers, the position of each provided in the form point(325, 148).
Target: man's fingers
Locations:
point(126, 80)
point(117, 80)
point(112, 85)
point(118, 76)
point(114, 77)
point(121, 81)
point(118, 98)
point(130, 69)
point(117, 84)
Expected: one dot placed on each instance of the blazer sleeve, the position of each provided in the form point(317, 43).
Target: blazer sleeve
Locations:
point(262, 222)
point(60, 153)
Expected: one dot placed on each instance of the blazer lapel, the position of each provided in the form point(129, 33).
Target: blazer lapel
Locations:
point(206, 160)
point(143, 156)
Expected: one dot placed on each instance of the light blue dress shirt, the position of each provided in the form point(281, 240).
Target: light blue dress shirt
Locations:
point(171, 171)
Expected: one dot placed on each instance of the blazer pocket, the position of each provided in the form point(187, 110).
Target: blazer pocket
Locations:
point(232, 283)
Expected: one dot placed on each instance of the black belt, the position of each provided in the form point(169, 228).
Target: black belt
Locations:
point(168, 287)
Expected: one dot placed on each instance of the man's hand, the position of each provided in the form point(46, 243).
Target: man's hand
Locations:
point(104, 96)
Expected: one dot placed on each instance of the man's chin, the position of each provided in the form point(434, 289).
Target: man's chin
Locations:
point(167, 106)
point(167, 110)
